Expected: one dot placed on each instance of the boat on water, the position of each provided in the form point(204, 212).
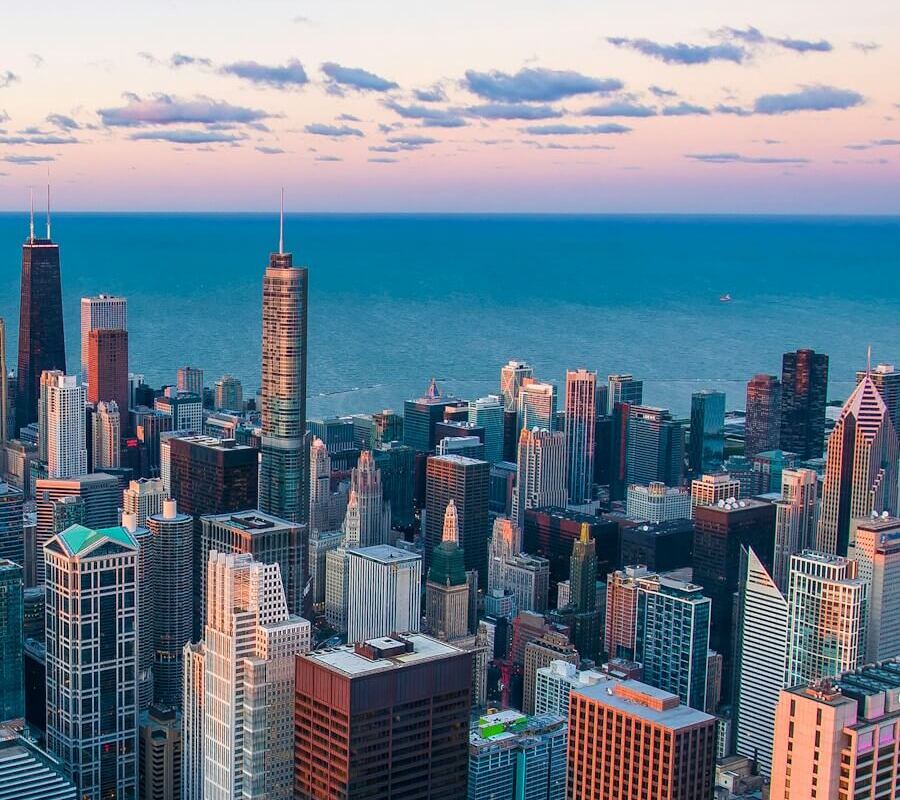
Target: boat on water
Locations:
point(725, 298)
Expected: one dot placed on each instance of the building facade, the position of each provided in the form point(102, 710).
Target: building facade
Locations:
point(763, 415)
point(384, 592)
point(581, 414)
point(541, 474)
point(804, 392)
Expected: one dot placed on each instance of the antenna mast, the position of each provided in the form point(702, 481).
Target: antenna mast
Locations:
point(31, 225)
point(281, 226)
point(48, 203)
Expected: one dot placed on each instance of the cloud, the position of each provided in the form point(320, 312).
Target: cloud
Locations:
point(182, 60)
point(738, 111)
point(359, 79)
point(866, 47)
point(682, 53)
point(429, 116)
point(755, 36)
point(319, 129)
point(4, 116)
point(512, 111)
point(411, 141)
point(348, 118)
point(13, 139)
point(804, 46)
point(52, 138)
point(808, 98)
point(148, 57)
point(27, 159)
point(383, 160)
point(7, 79)
point(269, 151)
point(736, 158)
point(536, 85)
point(328, 158)
point(36, 59)
point(619, 108)
point(571, 130)
point(873, 143)
point(63, 122)
point(286, 76)
point(163, 109)
point(186, 136)
point(684, 109)
point(660, 92)
point(560, 146)
point(434, 94)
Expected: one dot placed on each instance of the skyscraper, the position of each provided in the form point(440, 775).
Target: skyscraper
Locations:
point(877, 551)
point(108, 368)
point(625, 389)
point(707, 448)
point(420, 417)
point(106, 433)
point(92, 709)
point(143, 498)
point(536, 405)
point(42, 344)
point(655, 446)
point(63, 398)
point(552, 645)
point(284, 460)
point(4, 388)
point(184, 408)
point(512, 375)
point(368, 519)
point(327, 509)
point(657, 502)
point(190, 379)
point(447, 589)
point(229, 394)
point(887, 380)
point(861, 467)
point(160, 754)
point(583, 572)
point(581, 414)
point(796, 519)
point(804, 392)
point(763, 415)
point(541, 474)
point(102, 311)
point(487, 413)
point(12, 535)
point(12, 688)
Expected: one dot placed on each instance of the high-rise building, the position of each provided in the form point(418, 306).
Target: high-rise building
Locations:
point(62, 400)
point(397, 463)
point(629, 740)
point(887, 381)
point(827, 617)
point(388, 427)
point(92, 702)
point(837, 739)
point(143, 498)
point(403, 701)
point(796, 519)
point(672, 638)
point(229, 394)
point(658, 502)
point(804, 392)
point(108, 368)
point(447, 589)
point(12, 688)
point(12, 534)
point(192, 719)
point(707, 446)
point(550, 646)
point(106, 432)
point(105, 312)
point(146, 592)
point(513, 756)
point(159, 756)
point(763, 414)
point(505, 542)
point(465, 481)
point(655, 446)
point(624, 389)
point(190, 379)
point(184, 408)
point(527, 578)
point(762, 620)
point(384, 592)
point(29, 773)
point(512, 375)
point(536, 405)
point(541, 473)
point(250, 639)
point(5, 405)
point(321, 543)
point(581, 414)
point(173, 598)
point(583, 572)
point(420, 417)
point(42, 344)
point(327, 509)
point(861, 467)
point(368, 518)
point(487, 413)
point(877, 551)
point(709, 490)
point(554, 684)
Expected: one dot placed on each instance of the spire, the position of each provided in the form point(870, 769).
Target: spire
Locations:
point(48, 203)
point(869, 361)
point(281, 226)
point(31, 226)
point(585, 536)
point(451, 524)
point(433, 392)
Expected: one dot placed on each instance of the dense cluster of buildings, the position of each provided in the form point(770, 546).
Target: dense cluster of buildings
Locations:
point(551, 592)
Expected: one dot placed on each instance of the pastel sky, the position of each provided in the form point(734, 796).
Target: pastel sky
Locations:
point(536, 105)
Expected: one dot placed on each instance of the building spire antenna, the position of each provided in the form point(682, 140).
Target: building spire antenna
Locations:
point(281, 226)
point(48, 203)
point(869, 361)
point(31, 225)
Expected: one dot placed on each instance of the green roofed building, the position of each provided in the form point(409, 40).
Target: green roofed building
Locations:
point(447, 589)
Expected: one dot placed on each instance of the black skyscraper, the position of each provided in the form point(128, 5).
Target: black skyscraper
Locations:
point(804, 387)
point(42, 343)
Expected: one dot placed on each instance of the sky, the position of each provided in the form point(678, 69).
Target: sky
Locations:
point(562, 106)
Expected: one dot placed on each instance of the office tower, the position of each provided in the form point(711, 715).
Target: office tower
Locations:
point(397, 463)
point(149, 426)
point(12, 688)
point(512, 376)
point(711, 489)
point(249, 643)
point(229, 394)
point(581, 414)
point(762, 620)
point(504, 543)
point(337, 586)
point(465, 481)
point(707, 449)
point(99, 494)
point(108, 368)
point(447, 590)
point(12, 534)
point(536, 405)
point(144, 498)
point(469, 446)
point(541, 474)
point(655, 446)
point(268, 539)
point(388, 427)
point(404, 701)
point(622, 609)
point(877, 552)
point(420, 416)
point(338, 433)
point(626, 390)
point(514, 756)
point(838, 738)
point(861, 467)
point(384, 592)
point(583, 571)
point(661, 546)
point(320, 518)
point(185, 409)
point(190, 379)
point(550, 646)
point(527, 578)
point(658, 502)
point(487, 413)
point(92, 589)
point(42, 344)
point(627, 739)
point(763, 414)
point(146, 592)
point(827, 617)
point(766, 470)
point(29, 773)
point(105, 312)
point(368, 520)
point(4, 388)
point(192, 720)
point(887, 381)
point(554, 684)
point(159, 756)
point(173, 598)
point(796, 519)
point(672, 638)
point(106, 432)
point(63, 399)
point(804, 391)
point(719, 533)
point(321, 543)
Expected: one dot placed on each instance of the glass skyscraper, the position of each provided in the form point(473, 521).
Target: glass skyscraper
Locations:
point(12, 688)
point(804, 390)
point(707, 446)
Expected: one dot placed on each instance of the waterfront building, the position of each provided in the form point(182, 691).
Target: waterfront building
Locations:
point(420, 417)
point(102, 311)
point(762, 425)
point(707, 442)
point(229, 394)
point(487, 413)
point(512, 376)
point(190, 380)
point(804, 392)
point(654, 446)
point(184, 408)
point(536, 405)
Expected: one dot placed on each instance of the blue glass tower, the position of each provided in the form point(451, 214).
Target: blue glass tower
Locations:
point(12, 681)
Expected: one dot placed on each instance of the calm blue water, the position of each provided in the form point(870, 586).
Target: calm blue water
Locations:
point(395, 299)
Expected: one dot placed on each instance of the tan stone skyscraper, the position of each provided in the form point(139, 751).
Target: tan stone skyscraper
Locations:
point(447, 590)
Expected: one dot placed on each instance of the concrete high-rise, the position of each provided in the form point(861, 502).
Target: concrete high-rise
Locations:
point(143, 498)
point(62, 398)
point(327, 509)
point(447, 589)
point(536, 405)
point(707, 445)
point(368, 519)
point(487, 413)
point(654, 447)
point(581, 415)
point(657, 502)
point(711, 489)
point(877, 551)
point(763, 415)
point(622, 588)
point(184, 408)
point(229, 394)
point(108, 369)
point(552, 645)
point(384, 593)
point(796, 519)
point(541, 474)
point(106, 432)
point(861, 467)
point(804, 392)
point(159, 757)
point(284, 460)
point(103, 311)
point(92, 703)
point(190, 379)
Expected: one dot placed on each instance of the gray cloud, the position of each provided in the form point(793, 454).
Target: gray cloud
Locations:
point(51, 138)
point(7, 79)
point(183, 60)
point(411, 141)
point(4, 117)
point(560, 146)
point(25, 160)
point(37, 59)
point(873, 143)
point(63, 122)
point(866, 47)
point(163, 109)
point(619, 108)
point(355, 78)
point(660, 92)
point(682, 53)
point(269, 151)
point(429, 116)
point(285, 76)
point(572, 130)
point(738, 111)
point(186, 136)
point(755, 36)
point(536, 85)
point(9, 139)
point(348, 118)
point(383, 160)
point(808, 98)
point(512, 111)
point(684, 109)
point(328, 158)
point(434, 94)
point(320, 129)
point(736, 158)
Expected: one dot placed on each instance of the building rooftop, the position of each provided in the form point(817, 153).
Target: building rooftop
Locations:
point(506, 727)
point(347, 661)
point(213, 443)
point(640, 700)
point(385, 553)
point(463, 461)
point(78, 539)
point(252, 521)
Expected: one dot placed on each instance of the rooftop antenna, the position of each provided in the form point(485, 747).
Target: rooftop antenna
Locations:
point(281, 226)
point(869, 361)
point(31, 227)
point(48, 203)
